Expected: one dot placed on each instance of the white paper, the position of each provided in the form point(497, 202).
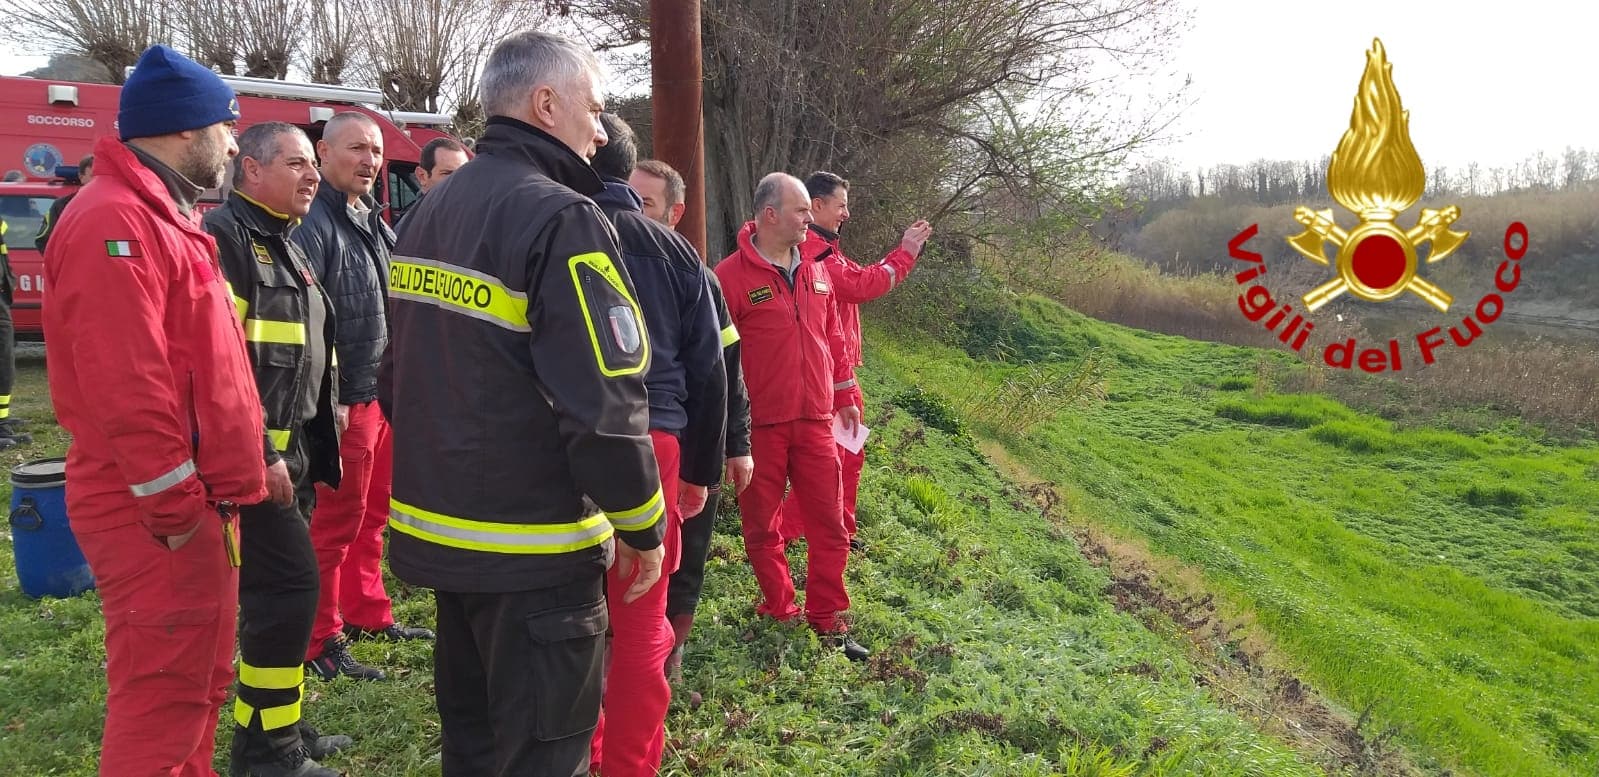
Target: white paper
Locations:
point(850, 442)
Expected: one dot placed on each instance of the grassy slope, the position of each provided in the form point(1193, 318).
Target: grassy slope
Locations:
point(996, 654)
point(1451, 584)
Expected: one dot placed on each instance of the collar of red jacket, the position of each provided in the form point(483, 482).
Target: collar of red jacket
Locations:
point(823, 232)
point(749, 253)
point(114, 159)
point(818, 246)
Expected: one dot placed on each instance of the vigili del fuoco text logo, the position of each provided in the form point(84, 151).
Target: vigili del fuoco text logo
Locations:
point(1375, 174)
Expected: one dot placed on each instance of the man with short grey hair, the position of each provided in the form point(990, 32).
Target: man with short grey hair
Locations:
point(288, 331)
point(515, 382)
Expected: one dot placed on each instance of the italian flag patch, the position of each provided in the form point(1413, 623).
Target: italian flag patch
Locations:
point(123, 248)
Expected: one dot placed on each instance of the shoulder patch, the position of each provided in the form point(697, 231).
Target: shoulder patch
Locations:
point(125, 249)
point(762, 294)
point(612, 315)
point(819, 285)
point(261, 253)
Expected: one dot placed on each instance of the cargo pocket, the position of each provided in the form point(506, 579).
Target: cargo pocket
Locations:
point(567, 661)
point(168, 640)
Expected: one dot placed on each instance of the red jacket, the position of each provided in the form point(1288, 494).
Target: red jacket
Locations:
point(148, 368)
point(792, 346)
point(854, 283)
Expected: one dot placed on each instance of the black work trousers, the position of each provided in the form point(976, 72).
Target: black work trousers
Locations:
point(8, 356)
point(277, 603)
point(518, 678)
point(685, 585)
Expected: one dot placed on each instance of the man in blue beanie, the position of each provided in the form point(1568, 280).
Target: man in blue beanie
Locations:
point(149, 373)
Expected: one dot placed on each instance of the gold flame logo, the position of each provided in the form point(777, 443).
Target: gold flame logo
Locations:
point(1376, 174)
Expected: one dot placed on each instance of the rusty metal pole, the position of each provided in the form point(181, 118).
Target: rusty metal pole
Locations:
point(677, 108)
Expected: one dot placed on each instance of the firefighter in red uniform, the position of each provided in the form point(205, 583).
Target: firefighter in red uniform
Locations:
point(853, 284)
point(149, 373)
point(793, 362)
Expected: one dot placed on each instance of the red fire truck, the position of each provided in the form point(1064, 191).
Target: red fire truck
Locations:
point(47, 125)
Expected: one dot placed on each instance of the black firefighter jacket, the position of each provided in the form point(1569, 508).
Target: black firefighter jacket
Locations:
point(514, 378)
point(272, 284)
point(685, 340)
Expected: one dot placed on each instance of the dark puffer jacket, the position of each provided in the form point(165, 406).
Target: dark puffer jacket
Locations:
point(353, 265)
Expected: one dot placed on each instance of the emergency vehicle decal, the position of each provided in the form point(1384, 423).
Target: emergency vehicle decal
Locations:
point(620, 345)
point(762, 294)
point(41, 159)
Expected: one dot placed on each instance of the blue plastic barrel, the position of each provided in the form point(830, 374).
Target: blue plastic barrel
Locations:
point(49, 562)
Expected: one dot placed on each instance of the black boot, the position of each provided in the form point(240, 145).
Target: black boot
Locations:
point(841, 640)
point(295, 763)
point(11, 431)
point(319, 745)
point(336, 660)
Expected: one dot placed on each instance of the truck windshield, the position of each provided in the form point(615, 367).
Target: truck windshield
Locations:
point(23, 215)
point(404, 190)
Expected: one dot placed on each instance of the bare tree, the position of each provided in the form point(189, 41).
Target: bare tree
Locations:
point(111, 32)
point(928, 105)
point(271, 30)
point(428, 52)
point(213, 31)
point(335, 40)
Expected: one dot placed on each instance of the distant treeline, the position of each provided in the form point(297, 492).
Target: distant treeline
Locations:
point(1186, 235)
point(1273, 182)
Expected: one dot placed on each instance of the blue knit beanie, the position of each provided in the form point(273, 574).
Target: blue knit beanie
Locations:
point(168, 92)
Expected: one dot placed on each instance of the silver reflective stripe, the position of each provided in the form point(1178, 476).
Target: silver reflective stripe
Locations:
point(642, 517)
point(893, 277)
point(846, 384)
point(173, 478)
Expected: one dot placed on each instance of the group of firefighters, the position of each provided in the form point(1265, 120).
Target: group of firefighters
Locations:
point(533, 382)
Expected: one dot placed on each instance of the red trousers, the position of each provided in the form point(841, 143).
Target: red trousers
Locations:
point(347, 531)
point(632, 730)
point(169, 621)
point(802, 453)
point(851, 464)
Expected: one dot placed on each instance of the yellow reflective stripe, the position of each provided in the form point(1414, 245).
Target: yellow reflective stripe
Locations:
point(641, 517)
point(729, 335)
point(279, 438)
point(271, 678)
point(240, 304)
point(487, 536)
point(272, 718)
point(458, 290)
point(258, 330)
point(600, 262)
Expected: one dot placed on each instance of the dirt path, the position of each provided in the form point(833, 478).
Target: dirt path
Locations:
point(1235, 657)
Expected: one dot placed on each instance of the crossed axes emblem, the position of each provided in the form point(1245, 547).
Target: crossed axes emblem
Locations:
point(1320, 228)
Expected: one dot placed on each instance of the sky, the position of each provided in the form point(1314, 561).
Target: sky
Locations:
point(1486, 82)
point(1491, 82)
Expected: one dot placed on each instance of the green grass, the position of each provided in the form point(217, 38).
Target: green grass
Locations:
point(997, 653)
point(1448, 584)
